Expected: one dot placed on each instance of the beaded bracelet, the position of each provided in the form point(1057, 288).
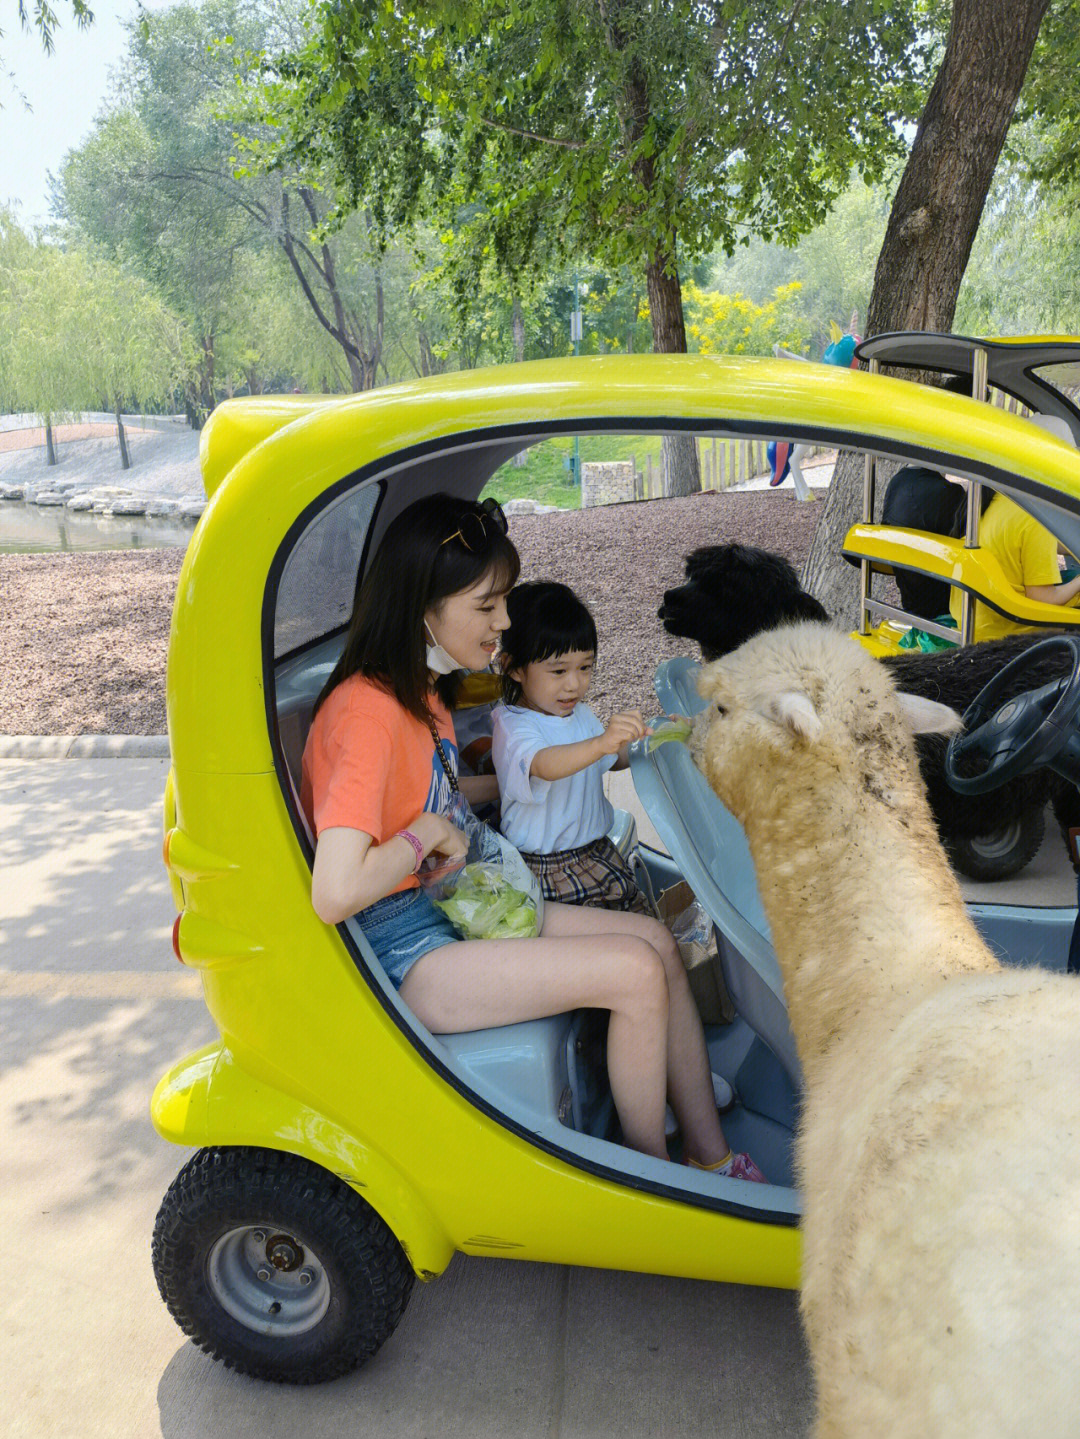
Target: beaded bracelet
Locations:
point(408, 835)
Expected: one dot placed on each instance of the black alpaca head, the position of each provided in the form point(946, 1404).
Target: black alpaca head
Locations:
point(732, 592)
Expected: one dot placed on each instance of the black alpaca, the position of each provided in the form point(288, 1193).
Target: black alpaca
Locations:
point(733, 591)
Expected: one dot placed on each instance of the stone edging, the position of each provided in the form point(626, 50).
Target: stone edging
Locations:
point(84, 746)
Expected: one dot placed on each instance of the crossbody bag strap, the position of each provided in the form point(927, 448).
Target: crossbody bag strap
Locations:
point(450, 775)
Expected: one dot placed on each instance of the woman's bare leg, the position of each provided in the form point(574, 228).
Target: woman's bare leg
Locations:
point(689, 1078)
point(476, 984)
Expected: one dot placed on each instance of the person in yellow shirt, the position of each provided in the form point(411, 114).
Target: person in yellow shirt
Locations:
point(1028, 555)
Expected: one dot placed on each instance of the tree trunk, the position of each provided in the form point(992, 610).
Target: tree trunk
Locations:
point(519, 331)
point(369, 338)
point(50, 448)
point(932, 225)
point(427, 356)
point(682, 472)
point(207, 393)
point(121, 440)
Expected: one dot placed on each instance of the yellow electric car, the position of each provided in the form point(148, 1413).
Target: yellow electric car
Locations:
point(342, 1149)
point(1039, 373)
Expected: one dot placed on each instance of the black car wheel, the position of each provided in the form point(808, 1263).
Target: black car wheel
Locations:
point(1001, 853)
point(276, 1267)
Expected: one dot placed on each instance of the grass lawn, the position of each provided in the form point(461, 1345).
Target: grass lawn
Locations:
point(544, 476)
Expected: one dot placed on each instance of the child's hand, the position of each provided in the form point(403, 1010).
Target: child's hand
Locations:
point(622, 729)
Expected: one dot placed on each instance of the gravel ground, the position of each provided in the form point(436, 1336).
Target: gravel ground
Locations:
point(85, 636)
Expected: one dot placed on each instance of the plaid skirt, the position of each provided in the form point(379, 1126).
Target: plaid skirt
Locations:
point(594, 874)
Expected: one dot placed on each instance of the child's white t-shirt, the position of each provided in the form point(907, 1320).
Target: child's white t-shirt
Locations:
point(541, 816)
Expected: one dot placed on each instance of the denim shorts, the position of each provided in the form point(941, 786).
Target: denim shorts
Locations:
point(402, 928)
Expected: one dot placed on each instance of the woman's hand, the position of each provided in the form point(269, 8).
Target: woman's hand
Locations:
point(351, 872)
point(439, 836)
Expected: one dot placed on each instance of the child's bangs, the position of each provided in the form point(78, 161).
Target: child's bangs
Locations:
point(575, 635)
point(546, 620)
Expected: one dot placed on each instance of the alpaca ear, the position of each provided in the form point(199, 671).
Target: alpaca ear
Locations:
point(795, 711)
point(927, 716)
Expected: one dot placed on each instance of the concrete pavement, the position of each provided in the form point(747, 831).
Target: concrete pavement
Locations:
point(92, 1008)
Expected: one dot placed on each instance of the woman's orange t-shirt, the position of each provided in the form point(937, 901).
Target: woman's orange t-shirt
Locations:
point(370, 765)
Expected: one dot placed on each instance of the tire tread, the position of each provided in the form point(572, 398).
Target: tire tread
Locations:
point(219, 1188)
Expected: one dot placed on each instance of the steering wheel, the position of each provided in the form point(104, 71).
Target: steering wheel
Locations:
point(1000, 741)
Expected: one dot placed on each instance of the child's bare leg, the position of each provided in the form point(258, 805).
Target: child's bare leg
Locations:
point(689, 1078)
point(476, 984)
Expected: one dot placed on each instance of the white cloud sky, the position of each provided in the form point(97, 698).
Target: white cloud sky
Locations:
point(65, 90)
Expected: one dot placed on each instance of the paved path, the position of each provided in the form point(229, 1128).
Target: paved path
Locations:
point(92, 1008)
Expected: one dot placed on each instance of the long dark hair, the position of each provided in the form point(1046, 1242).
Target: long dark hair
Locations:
point(546, 619)
point(416, 566)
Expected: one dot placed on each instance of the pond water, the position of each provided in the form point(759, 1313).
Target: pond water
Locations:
point(39, 529)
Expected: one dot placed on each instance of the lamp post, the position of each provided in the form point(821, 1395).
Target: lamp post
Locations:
point(575, 336)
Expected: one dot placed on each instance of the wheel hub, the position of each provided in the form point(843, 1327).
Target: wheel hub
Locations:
point(284, 1253)
point(268, 1281)
point(998, 842)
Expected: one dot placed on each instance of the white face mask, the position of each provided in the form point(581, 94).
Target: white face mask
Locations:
point(439, 661)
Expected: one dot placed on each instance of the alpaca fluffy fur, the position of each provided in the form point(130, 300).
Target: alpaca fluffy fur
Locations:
point(735, 591)
point(939, 1143)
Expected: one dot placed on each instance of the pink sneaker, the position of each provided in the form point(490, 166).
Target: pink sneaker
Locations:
point(743, 1167)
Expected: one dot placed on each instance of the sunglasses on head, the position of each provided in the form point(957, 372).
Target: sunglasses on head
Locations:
point(472, 528)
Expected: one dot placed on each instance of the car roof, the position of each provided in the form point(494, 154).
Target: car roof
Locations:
point(1012, 362)
point(475, 420)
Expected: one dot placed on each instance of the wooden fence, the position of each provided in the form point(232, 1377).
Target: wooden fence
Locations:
point(731, 462)
point(723, 463)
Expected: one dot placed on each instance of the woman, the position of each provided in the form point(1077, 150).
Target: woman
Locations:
point(379, 765)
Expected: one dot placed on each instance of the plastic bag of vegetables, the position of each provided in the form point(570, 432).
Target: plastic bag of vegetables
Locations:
point(483, 904)
point(491, 893)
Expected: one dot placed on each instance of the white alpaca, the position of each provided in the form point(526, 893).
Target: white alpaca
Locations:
point(939, 1150)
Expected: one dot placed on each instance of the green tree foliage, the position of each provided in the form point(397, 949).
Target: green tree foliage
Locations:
point(16, 255)
point(162, 183)
point(174, 232)
point(834, 263)
point(40, 367)
point(1052, 97)
point(1024, 273)
point(640, 134)
point(745, 118)
point(79, 333)
point(40, 16)
point(135, 352)
point(934, 220)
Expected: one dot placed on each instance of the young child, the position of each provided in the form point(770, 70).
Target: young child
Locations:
point(551, 752)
